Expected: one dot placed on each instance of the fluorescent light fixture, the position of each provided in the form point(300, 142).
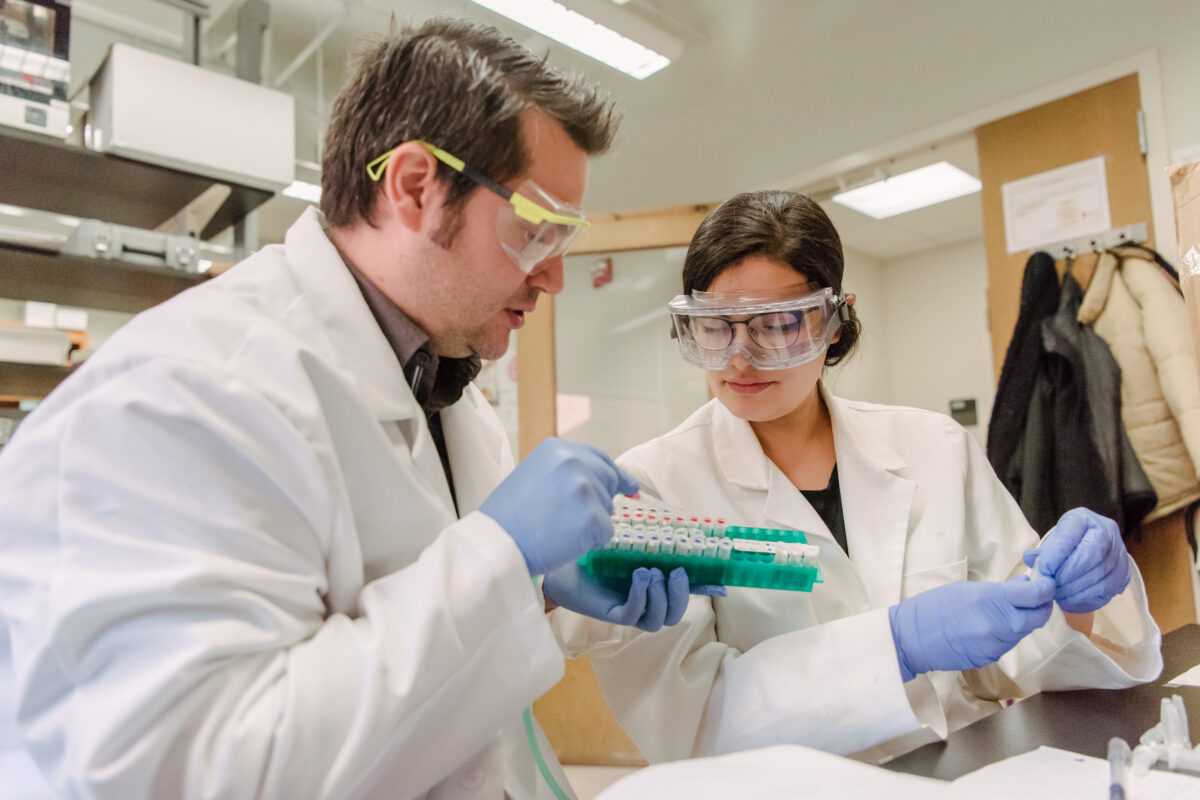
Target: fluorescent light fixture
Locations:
point(302, 190)
point(908, 191)
point(595, 34)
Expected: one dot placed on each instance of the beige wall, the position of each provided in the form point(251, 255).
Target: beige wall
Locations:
point(937, 343)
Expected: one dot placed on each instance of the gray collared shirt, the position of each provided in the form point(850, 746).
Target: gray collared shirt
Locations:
point(435, 382)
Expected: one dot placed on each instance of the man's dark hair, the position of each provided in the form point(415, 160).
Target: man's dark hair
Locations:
point(783, 226)
point(461, 86)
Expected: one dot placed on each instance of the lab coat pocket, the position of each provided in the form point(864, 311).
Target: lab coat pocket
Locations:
point(919, 580)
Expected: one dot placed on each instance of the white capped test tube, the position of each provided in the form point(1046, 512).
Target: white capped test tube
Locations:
point(666, 544)
point(638, 543)
point(706, 526)
point(638, 528)
point(725, 549)
point(653, 543)
point(683, 547)
point(719, 527)
point(698, 545)
point(711, 544)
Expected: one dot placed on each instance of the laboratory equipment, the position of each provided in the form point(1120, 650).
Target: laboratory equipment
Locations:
point(1118, 766)
point(715, 553)
point(35, 65)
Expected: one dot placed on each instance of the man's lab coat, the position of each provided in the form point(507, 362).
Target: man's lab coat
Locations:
point(230, 565)
point(761, 667)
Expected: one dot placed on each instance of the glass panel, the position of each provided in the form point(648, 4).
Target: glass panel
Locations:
point(620, 378)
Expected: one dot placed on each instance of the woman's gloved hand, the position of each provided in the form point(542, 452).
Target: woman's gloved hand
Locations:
point(557, 504)
point(967, 624)
point(647, 601)
point(1085, 556)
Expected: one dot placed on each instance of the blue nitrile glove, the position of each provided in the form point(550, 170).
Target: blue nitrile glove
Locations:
point(1085, 556)
point(557, 503)
point(644, 601)
point(967, 624)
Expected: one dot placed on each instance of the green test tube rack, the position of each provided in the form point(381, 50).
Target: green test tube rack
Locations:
point(765, 558)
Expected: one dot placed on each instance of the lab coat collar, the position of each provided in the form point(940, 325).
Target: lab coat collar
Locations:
point(337, 301)
point(745, 464)
point(876, 498)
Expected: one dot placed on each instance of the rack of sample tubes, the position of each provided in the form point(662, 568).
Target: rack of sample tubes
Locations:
point(709, 549)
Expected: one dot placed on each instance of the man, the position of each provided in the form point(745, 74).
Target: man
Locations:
point(259, 546)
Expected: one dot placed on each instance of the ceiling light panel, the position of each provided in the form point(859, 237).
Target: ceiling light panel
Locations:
point(596, 28)
point(909, 191)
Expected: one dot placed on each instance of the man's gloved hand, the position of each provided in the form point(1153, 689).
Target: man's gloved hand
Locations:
point(645, 601)
point(557, 504)
point(1085, 556)
point(967, 624)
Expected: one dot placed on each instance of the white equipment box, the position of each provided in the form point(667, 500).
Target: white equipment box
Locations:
point(156, 109)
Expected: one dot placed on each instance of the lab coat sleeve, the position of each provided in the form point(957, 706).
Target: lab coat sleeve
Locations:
point(679, 692)
point(1124, 647)
point(170, 635)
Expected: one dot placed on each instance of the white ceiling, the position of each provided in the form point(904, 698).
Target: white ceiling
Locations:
point(764, 89)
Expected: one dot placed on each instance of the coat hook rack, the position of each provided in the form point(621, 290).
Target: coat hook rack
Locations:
point(1098, 242)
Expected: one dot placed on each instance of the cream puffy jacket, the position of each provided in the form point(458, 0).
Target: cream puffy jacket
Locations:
point(1135, 307)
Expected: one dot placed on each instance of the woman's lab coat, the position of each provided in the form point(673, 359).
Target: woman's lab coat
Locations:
point(761, 667)
point(230, 565)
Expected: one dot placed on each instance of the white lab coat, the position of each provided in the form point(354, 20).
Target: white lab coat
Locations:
point(230, 565)
point(762, 667)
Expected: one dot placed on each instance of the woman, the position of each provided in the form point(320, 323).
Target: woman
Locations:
point(919, 626)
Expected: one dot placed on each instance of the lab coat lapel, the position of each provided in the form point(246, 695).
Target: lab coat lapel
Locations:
point(479, 452)
point(876, 501)
point(354, 334)
point(744, 464)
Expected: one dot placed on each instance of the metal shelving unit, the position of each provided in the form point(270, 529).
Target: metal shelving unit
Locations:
point(21, 381)
point(87, 282)
point(42, 173)
point(49, 175)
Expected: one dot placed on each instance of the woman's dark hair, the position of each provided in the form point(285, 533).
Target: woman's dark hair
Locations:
point(783, 226)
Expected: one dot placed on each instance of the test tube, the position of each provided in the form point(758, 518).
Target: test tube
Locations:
point(698, 545)
point(653, 543)
point(706, 526)
point(651, 518)
point(710, 546)
point(683, 547)
point(719, 527)
point(666, 544)
point(638, 544)
point(725, 549)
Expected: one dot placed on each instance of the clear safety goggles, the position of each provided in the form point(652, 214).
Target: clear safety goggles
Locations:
point(782, 329)
point(533, 228)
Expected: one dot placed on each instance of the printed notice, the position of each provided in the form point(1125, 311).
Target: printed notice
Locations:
point(1064, 203)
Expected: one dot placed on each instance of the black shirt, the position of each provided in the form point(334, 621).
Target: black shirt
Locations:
point(827, 503)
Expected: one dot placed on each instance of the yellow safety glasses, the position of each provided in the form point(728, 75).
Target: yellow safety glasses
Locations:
point(531, 232)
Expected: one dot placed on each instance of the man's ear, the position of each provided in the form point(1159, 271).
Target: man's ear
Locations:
point(410, 186)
